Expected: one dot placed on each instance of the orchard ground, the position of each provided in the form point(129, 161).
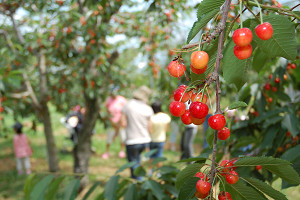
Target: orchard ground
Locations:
point(11, 185)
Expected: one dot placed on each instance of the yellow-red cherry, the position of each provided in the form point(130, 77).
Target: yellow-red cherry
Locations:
point(198, 71)
point(176, 69)
point(197, 97)
point(242, 53)
point(242, 37)
point(264, 31)
point(199, 59)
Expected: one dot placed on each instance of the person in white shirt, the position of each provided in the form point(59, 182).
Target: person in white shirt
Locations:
point(136, 118)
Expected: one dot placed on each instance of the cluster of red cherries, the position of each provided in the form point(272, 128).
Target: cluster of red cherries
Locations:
point(226, 169)
point(242, 38)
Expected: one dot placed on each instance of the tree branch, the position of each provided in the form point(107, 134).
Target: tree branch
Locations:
point(43, 77)
point(19, 95)
point(8, 40)
point(31, 92)
point(218, 90)
point(16, 28)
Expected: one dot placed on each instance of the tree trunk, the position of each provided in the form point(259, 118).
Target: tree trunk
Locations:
point(82, 150)
point(51, 147)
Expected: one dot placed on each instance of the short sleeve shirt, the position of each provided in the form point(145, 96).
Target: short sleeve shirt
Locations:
point(159, 121)
point(115, 106)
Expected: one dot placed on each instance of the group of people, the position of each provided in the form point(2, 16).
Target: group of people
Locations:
point(140, 127)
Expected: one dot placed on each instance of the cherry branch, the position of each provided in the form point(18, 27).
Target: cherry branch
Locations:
point(216, 76)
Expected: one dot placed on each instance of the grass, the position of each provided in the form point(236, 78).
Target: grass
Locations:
point(11, 185)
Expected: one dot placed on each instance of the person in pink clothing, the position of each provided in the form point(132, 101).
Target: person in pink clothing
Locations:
point(22, 149)
point(114, 106)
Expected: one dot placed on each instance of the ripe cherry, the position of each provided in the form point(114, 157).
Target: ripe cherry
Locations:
point(197, 97)
point(232, 177)
point(288, 134)
point(242, 37)
point(176, 68)
point(227, 166)
point(258, 167)
point(274, 89)
point(223, 134)
point(197, 121)
point(264, 31)
point(180, 93)
point(198, 109)
point(186, 118)
point(270, 99)
point(201, 175)
point(199, 59)
point(217, 122)
point(224, 196)
point(285, 77)
point(203, 187)
point(267, 86)
point(242, 53)
point(293, 66)
point(201, 196)
point(270, 76)
point(177, 108)
point(277, 80)
point(198, 71)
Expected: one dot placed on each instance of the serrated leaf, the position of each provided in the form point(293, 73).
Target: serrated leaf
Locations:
point(193, 159)
point(287, 173)
point(283, 42)
point(265, 188)
point(234, 70)
point(263, 161)
point(207, 5)
point(237, 104)
point(187, 173)
point(188, 189)
point(291, 154)
point(40, 188)
point(156, 189)
point(291, 122)
point(269, 137)
point(242, 191)
point(209, 136)
point(131, 193)
point(259, 60)
point(198, 25)
point(111, 188)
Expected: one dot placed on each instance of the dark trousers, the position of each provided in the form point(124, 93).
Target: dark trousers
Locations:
point(134, 154)
point(186, 143)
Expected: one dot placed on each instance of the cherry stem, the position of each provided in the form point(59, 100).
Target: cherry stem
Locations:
point(199, 47)
point(188, 87)
point(261, 17)
point(241, 11)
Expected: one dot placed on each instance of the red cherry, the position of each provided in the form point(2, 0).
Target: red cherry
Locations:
point(198, 109)
point(277, 80)
point(198, 71)
point(199, 59)
point(270, 99)
point(274, 89)
point(201, 175)
point(177, 108)
point(201, 196)
point(1, 109)
point(197, 97)
point(232, 177)
point(203, 187)
point(267, 86)
point(223, 134)
point(288, 134)
point(270, 76)
point(224, 196)
point(242, 37)
point(293, 66)
point(186, 118)
point(288, 67)
point(180, 93)
point(197, 121)
point(258, 167)
point(217, 122)
point(242, 53)
point(176, 69)
point(226, 164)
point(264, 31)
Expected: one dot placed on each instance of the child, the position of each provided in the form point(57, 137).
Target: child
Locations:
point(22, 149)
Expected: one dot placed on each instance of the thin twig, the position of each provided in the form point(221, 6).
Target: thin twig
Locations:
point(252, 12)
point(216, 74)
point(295, 7)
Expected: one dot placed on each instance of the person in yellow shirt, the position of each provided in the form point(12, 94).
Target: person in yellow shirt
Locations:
point(159, 124)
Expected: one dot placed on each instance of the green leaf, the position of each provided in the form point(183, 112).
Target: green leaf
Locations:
point(187, 173)
point(127, 165)
point(30, 182)
point(263, 161)
point(90, 191)
point(234, 70)
point(196, 159)
point(53, 188)
point(139, 171)
point(207, 5)
point(188, 189)
point(131, 193)
point(291, 122)
point(269, 137)
point(198, 25)
point(265, 188)
point(157, 160)
point(291, 154)
point(242, 191)
point(209, 136)
point(150, 153)
point(237, 104)
point(259, 60)
point(156, 189)
point(40, 188)
point(71, 189)
point(283, 42)
point(111, 188)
